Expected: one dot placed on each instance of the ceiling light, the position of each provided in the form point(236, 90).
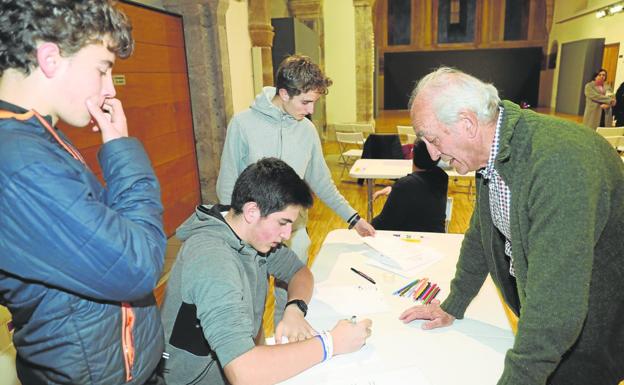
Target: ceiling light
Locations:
point(616, 8)
point(600, 14)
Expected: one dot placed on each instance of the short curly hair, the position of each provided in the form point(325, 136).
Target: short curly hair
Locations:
point(71, 24)
point(299, 74)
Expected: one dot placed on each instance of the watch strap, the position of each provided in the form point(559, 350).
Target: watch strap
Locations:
point(300, 304)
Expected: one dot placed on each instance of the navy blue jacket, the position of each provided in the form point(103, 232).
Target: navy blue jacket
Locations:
point(71, 251)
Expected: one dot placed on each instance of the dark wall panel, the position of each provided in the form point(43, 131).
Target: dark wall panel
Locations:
point(514, 72)
point(283, 40)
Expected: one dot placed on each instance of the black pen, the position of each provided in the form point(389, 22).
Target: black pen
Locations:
point(366, 277)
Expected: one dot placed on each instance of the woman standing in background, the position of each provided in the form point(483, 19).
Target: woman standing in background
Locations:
point(599, 99)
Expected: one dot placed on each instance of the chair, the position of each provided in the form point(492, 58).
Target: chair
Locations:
point(406, 131)
point(610, 131)
point(365, 128)
point(348, 154)
point(448, 212)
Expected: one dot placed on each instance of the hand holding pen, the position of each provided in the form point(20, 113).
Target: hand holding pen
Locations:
point(349, 336)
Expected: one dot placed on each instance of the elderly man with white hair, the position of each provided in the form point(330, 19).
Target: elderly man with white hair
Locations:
point(548, 227)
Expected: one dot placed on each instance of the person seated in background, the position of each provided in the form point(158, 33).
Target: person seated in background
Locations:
point(416, 202)
point(215, 297)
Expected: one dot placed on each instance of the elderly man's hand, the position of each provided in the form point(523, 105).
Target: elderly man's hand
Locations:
point(432, 312)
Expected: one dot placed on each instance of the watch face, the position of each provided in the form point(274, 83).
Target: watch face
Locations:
point(302, 305)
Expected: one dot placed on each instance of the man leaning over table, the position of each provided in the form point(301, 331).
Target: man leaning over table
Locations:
point(275, 125)
point(548, 227)
point(213, 308)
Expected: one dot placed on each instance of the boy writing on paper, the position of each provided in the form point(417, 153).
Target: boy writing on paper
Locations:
point(78, 261)
point(216, 293)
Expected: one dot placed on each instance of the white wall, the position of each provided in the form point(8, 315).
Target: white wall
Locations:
point(239, 51)
point(340, 60)
point(571, 24)
point(279, 8)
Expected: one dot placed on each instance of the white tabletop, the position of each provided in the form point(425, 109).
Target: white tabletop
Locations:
point(380, 168)
point(471, 351)
point(391, 169)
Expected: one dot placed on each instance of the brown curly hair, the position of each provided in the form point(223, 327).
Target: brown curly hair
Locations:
point(298, 74)
point(71, 24)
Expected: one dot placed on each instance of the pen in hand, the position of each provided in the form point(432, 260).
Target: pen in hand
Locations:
point(366, 277)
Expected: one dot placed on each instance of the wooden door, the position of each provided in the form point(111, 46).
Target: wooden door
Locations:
point(153, 87)
point(610, 61)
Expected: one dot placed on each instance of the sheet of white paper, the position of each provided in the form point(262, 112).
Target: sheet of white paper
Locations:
point(339, 368)
point(351, 299)
point(400, 254)
point(397, 270)
point(410, 375)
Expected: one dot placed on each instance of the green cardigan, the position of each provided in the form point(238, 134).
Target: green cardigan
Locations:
point(567, 230)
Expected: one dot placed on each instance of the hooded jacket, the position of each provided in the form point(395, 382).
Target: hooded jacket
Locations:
point(215, 297)
point(71, 251)
point(265, 131)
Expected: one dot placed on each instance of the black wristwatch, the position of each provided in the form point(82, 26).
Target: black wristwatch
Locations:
point(300, 304)
point(353, 220)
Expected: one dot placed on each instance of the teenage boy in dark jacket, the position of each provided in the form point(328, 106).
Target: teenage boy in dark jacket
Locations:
point(78, 261)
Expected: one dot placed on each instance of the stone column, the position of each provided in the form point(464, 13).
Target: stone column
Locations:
point(261, 33)
point(364, 59)
point(210, 83)
point(550, 9)
point(310, 13)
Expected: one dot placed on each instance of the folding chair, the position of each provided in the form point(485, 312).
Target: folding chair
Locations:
point(365, 128)
point(348, 154)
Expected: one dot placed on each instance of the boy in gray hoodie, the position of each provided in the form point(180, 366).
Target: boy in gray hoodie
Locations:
point(215, 297)
point(275, 126)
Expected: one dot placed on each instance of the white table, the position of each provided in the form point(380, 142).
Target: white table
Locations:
point(471, 351)
point(371, 169)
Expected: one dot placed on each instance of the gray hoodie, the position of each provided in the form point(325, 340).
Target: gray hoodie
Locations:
point(215, 297)
point(265, 131)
